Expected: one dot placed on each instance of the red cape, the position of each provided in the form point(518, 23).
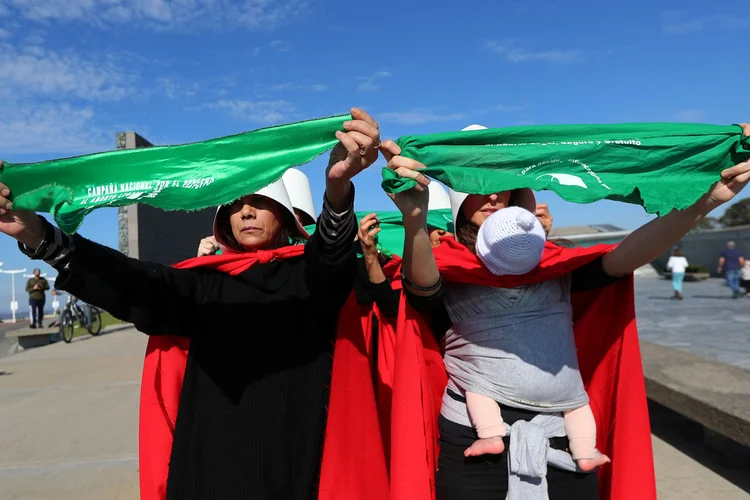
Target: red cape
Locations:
point(353, 415)
point(163, 371)
point(609, 359)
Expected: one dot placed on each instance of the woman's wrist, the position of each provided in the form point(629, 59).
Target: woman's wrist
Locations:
point(33, 234)
point(415, 223)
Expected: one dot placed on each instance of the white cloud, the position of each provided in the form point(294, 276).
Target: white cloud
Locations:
point(279, 46)
point(51, 128)
point(690, 115)
point(36, 71)
point(676, 25)
point(5, 33)
point(165, 14)
point(419, 117)
point(511, 53)
point(34, 39)
point(174, 89)
point(371, 83)
point(317, 87)
point(508, 109)
point(255, 111)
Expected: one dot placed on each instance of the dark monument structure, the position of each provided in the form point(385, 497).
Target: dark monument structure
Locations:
point(154, 235)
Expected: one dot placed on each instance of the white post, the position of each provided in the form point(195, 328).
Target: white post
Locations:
point(13, 303)
point(55, 300)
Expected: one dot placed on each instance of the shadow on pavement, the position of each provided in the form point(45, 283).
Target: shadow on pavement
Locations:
point(723, 456)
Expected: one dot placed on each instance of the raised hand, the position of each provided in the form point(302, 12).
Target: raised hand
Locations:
point(542, 213)
point(368, 229)
point(22, 225)
point(412, 203)
point(357, 147)
point(208, 246)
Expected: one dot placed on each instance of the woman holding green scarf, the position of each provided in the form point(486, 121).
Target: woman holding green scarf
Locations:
point(453, 306)
point(252, 411)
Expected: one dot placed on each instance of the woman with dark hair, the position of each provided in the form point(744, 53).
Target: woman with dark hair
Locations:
point(261, 320)
point(677, 264)
point(464, 315)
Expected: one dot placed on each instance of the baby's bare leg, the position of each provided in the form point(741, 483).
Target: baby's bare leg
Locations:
point(487, 420)
point(580, 427)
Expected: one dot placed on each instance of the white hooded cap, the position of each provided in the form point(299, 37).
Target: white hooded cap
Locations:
point(511, 241)
point(298, 187)
point(439, 198)
point(457, 198)
point(275, 191)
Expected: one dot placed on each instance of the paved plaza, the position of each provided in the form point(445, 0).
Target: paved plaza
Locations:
point(707, 323)
point(69, 411)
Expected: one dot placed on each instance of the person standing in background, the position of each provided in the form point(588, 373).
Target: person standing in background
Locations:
point(678, 264)
point(36, 288)
point(731, 261)
point(745, 277)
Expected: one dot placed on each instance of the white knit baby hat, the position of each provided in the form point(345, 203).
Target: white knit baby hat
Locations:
point(511, 241)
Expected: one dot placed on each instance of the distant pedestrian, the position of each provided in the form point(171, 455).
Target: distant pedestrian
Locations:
point(731, 261)
point(745, 277)
point(36, 288)
point(678, 265)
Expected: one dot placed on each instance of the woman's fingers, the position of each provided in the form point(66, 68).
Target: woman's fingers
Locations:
point(365, 141)
point(742, 177)
point(359, 114)
point(367, 221)
point(402, 162)
point(389, 149)
point(363, 128)
point(736, 170)
point(348, 142)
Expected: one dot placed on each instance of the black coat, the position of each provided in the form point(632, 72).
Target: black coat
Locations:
point(253, 405)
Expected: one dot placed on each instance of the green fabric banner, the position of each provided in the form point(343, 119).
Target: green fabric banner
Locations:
point(391, 235)
point(661, 166)
point(186, 177)
point(658, 165)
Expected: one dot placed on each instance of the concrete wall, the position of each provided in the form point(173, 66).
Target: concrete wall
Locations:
point(153, 235)
point(704, 248)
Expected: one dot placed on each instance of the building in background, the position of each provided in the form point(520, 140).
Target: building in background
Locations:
point(154, 235)
point(587, 236)
point(703, 248)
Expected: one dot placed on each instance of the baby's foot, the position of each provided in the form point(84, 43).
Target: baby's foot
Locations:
point(589, 464)
point(486, 446)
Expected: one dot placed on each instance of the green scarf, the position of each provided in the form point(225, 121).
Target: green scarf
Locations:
point(391, 236)
point(186, 177)
point(661, 166)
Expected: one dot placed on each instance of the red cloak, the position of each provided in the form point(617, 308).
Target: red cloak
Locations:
point(352, 407)
point(164, 369)
point(609, 359)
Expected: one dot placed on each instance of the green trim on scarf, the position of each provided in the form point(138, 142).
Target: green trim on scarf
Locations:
point(661, 166)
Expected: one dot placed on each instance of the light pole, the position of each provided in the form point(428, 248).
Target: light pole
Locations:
point(13, 303)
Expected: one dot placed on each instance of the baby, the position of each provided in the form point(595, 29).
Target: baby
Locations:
point(511, 242)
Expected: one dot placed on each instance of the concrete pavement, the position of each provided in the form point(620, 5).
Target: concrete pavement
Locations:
point(69, 415)
point(69, 419)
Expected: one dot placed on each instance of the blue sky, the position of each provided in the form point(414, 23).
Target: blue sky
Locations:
point(74, 72)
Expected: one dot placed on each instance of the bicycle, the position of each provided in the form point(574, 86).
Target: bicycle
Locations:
point(73, 311)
